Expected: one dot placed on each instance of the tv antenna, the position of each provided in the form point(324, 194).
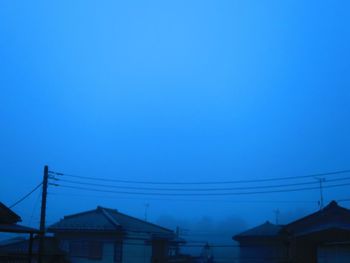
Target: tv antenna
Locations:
point(321, 180)
point(277, 213)
point(146, 210)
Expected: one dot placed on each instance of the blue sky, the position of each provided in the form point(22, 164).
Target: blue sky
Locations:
point(173, 90)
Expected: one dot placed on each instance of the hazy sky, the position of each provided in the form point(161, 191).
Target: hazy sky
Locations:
point(173, 91)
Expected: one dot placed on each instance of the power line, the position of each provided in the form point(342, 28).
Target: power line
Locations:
point(201, 189)
point(24, 197)
point(199, 194)
point(201, 182)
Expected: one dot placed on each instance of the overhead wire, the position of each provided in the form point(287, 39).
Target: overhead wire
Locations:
point(95, 189)
point(25, 196)
point(199, 194)
point(201, 189)
point(201, 182)
point(185, 190)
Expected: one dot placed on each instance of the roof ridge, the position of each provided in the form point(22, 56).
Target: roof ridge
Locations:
point(250, 231)
point(333, 204)
point(108, 216)
point(10, 212)
point(138, 219)
point(78, 214)
point(116, 221)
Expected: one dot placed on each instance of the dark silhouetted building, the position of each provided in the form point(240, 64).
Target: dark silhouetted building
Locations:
point(323, 237)
point(263, 244)
point(9, 224)
point(106, 235)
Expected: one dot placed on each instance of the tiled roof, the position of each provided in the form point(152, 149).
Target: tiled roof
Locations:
point(9, 219)
point(106, 219)
point(130, 223)
point(21, 246)
point(90, 220)
point(15, 228)
point(331, 217)
point(264, 230)
point(7, 216)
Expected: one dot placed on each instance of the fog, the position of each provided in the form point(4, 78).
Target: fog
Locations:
point(119, 98)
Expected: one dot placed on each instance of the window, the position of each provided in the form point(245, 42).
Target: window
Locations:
point(95, 250)
point(159, 250)
point(64, 246)
point(78, 249)
point(118, 251)
point(86, 249)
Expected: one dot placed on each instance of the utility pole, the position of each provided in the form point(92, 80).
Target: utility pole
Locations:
point(43, 214)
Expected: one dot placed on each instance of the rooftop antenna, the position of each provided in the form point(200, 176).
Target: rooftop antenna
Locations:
point(277, 213)
point(146, 210)
point(321, 180)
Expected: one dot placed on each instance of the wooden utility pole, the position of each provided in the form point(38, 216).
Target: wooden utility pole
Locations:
point(43, 214)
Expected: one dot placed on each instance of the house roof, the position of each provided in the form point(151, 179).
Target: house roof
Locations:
point(332, 216)
point(266, 229)
point(106, 219)
point(15, 228)
point(331, 219)
point(21, 246)
point(10, 241)
point(9, 219)
point(7, 216)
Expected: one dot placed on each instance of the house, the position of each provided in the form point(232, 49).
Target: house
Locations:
point(323, 237)
point(16, 250)
point(262, 244)
point(107, 235)
point(9, 224)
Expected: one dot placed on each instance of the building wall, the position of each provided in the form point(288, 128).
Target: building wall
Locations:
point(107, 255)
point(333, 254)
point(262, 252)
point(136, 248)
point(136, 251)
point(303, 251)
